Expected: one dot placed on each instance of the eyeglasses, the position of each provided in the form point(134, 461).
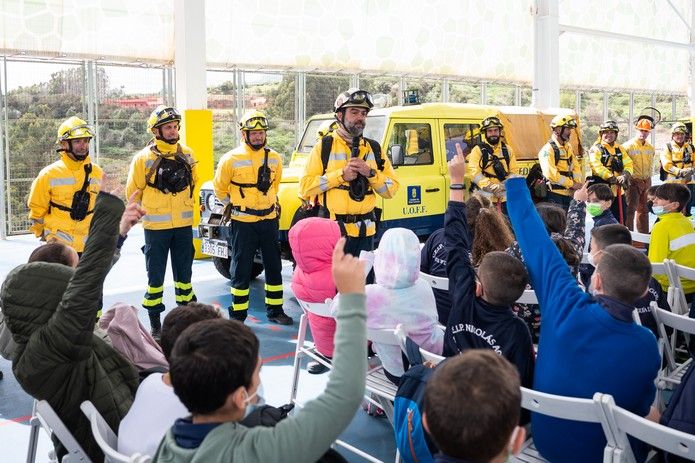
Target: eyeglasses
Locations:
point(255, 123)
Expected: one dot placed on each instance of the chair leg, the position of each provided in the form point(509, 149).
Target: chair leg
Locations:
point(298, 354)
point(33, 439)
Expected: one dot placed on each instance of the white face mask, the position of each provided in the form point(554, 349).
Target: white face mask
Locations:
point(510, 448)
point(592, 258)
point(250, 407)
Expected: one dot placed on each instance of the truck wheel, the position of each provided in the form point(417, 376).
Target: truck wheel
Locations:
point(222, 266)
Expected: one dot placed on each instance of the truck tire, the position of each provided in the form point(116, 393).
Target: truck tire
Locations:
point(222, 266)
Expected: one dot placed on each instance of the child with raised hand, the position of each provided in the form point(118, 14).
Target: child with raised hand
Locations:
point(215, 369)
point(481, 314)
point(588, 344)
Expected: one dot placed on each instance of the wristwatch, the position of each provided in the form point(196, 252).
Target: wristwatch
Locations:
point(372, 173)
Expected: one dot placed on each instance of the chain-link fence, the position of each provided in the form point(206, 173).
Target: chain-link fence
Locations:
point(117, 100)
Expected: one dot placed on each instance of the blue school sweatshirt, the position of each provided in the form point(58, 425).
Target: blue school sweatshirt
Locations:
point(586, 346)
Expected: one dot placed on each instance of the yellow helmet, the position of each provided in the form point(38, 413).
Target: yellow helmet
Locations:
point(679, 127)
point(253, 120)
point(74, 128)
point(490, 122)
point(563, 121)
point(608, 126)
point(162, 115)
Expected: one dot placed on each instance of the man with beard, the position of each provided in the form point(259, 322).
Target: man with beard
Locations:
point(162, 176)
point(345, 170)
point(559, 165)
point(491, 162)
point(246, 182)
point(61, 201)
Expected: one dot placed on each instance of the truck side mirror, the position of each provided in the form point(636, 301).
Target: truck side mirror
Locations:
point(396, 155)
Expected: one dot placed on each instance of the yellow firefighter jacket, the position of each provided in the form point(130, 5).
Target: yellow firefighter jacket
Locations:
point(54, 188)
point(164, 210)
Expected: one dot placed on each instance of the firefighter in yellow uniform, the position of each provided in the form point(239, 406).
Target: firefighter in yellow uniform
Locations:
point(611, 164)
point(559, 164)
point(164, 175)
point(491, 162)
point(62, 197)
point(345, 172)
point(641, 153)
point(246, 181)
point(677, 162)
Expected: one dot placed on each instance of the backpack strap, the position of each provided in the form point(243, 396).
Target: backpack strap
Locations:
point(376, 149)
point(486, 151)
point(556, 150)
point(326, 145)
point(85, 185)
point(412, 352)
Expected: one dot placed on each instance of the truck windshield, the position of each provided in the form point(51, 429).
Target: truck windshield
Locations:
point(374, 130)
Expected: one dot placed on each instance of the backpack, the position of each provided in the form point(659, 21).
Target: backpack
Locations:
point(412, 441)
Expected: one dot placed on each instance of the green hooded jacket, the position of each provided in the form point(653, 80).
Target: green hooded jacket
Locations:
point(50, 310)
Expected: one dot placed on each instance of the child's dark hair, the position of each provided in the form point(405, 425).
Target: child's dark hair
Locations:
point(492, 233)
point(181, 318)
point(614, 233)
point(624, 272)
point(503, 278)
point(553, 216)
point(472, 405)
point(210, 360)
point(675, 193)
point(602, 191)
point(53, 252)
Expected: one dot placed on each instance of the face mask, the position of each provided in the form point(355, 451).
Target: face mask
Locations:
point(250, 407)
point(510, 449)
point(592, 258)
point(659, 210)
point(594, 209)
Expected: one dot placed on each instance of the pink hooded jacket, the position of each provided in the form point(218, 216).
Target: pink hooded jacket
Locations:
point(312, 241)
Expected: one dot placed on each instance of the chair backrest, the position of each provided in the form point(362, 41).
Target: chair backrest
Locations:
point(624, 423)
point(641, 237)
point(106, 438)
point(435, 282)
point(675, 273)
point(528, 297)
point(319, 308)
point(427, 356)
point(677, 322)
point(54, 425)
point(570, 408)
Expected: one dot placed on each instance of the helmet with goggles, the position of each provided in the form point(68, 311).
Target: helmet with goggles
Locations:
point(563, 121)
point(608, 126)
point(74, 128)
point(353, 98)
point(163, 115)
point(253, 120)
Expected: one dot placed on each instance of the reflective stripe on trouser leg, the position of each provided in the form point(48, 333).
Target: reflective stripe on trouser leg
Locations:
point(184, 293)
point(240, 299)
point(273, 297)
point(156, 249)
point(181, 263)
point(153, 300)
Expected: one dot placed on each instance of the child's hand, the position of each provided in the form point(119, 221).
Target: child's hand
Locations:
point(457, 168)
point(582, 194)
point(348, 271)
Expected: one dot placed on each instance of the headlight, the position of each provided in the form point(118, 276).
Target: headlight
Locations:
point(210, 202)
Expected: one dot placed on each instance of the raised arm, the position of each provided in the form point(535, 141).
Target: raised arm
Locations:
point(550, 275)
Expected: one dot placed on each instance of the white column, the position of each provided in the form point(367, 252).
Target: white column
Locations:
point(189, 57)
point(546, 55)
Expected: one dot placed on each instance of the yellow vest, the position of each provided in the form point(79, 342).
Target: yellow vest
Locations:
point(642, 156)
point(673, 160)
point(565, 172)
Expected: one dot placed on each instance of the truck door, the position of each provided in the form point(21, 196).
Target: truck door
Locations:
point(414, 150)
point(457, 135)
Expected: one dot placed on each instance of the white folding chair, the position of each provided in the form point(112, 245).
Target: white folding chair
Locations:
point(672, 372)
point(568, 408)
point(304, 348)
point(528, 297)
point(676, 272)
point(107, 439)
point(435, 281)
point(377, 383)
point(45, 417)
point(638, 237)
point(427, 356)
point(662, 269)
point(624, 423)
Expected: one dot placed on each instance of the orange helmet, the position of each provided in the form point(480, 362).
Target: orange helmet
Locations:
point(644, 124)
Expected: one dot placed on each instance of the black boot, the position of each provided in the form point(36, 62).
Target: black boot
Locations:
point(155, 326)
point(239, 315)
point(279, 317)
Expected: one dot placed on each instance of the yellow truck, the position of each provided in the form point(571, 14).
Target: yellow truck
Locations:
point(419, 140)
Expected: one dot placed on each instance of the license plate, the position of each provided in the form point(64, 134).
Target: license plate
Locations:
point(215, 248)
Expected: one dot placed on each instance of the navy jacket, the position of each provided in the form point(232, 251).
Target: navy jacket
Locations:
point(473, 323)
point(433, 257)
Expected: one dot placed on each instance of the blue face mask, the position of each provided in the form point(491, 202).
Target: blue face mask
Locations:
point(259, 401)
point(659, 210)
